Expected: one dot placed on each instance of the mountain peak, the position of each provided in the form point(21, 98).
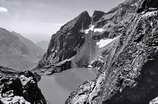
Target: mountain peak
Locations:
point(84, 13)
point(97, 15)
point(81, 21)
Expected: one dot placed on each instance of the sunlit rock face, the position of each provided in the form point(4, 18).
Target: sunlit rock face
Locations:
point(154, 101)
point(20, 87)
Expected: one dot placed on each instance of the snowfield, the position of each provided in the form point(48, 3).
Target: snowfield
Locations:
point(91, 28)
point(103, 42)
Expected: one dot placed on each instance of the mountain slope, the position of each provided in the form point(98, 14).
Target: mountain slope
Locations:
point(129, 75)
point(16, 51)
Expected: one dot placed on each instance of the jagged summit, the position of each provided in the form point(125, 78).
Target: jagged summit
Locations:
point(97, 15)
point(81, 21)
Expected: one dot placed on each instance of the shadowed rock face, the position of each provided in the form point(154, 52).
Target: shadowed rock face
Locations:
point(147, 4)
point(97, 15)
point(66, 42)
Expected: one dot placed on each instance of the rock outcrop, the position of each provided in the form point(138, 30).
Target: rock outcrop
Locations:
point(20, 87)
point(154, 101)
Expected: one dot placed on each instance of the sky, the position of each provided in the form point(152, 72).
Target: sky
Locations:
point(39, 19)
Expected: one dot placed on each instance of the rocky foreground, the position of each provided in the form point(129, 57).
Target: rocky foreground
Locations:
point(19, 87)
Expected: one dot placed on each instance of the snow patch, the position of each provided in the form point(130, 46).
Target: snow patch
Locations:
point(91, 28)
point(103, 42)
point(99, 30)
point(149, 14)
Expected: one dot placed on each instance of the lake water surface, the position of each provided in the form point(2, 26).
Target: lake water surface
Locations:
point(57, 88)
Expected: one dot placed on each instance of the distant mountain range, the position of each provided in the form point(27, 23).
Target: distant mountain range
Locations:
point(43, 44)
point(17, 51)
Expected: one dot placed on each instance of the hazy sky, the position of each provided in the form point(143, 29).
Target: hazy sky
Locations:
point(38, 19)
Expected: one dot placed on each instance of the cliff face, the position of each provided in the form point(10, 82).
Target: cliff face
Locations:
point(66, 43)
point(128, 38)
